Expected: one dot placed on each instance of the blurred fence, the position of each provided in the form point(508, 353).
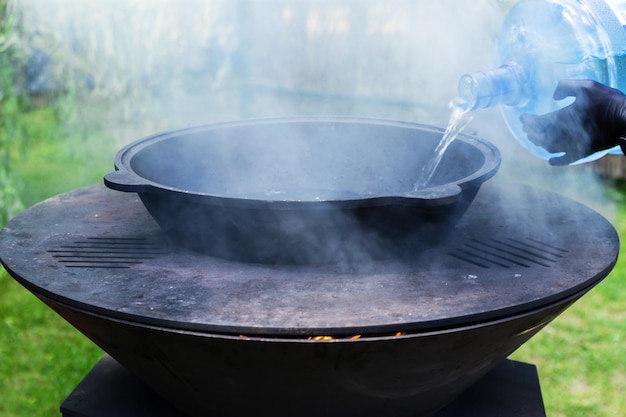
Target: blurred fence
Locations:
point(191, 61)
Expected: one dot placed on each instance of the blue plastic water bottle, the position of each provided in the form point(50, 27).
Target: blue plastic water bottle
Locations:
point(542, 42)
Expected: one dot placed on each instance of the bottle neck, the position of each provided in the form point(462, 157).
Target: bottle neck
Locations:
point(484, 89)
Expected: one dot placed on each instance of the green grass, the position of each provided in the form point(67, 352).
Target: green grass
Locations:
point(42, 357)
point(580, 356)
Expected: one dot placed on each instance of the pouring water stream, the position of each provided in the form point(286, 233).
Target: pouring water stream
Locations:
point(459, 119)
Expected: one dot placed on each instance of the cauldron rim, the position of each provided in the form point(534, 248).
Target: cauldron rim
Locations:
point(126, 178)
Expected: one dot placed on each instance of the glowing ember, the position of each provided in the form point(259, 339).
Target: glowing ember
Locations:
point(354, 337)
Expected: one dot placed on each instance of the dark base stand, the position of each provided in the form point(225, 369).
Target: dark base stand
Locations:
point(109, 390)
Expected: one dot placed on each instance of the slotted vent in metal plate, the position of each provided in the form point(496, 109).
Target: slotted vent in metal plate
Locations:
point(95, 252)
point(508, 253)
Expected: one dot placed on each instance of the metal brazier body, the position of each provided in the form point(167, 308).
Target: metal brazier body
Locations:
point(411, 375)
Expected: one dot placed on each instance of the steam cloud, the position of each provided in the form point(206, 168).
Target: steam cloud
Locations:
point(164, 64)
point(186, 63)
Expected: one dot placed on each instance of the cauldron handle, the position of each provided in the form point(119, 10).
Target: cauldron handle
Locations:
point(122, 180)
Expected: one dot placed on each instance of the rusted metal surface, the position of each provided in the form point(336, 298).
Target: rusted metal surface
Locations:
point(100, 251)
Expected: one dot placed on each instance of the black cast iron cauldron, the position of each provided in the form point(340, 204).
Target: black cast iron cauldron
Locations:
point(303, 190)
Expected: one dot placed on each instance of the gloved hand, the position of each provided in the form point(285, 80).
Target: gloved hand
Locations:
point(593, 122)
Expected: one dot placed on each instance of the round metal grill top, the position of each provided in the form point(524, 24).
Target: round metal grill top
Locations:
point(517, 249)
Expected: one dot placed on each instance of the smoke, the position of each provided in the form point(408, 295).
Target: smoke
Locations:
point(154, 65)
point(168, 63)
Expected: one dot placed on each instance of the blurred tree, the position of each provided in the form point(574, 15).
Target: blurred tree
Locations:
point(10, 106)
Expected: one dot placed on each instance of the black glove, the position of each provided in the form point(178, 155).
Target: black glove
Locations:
point(593, 122)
